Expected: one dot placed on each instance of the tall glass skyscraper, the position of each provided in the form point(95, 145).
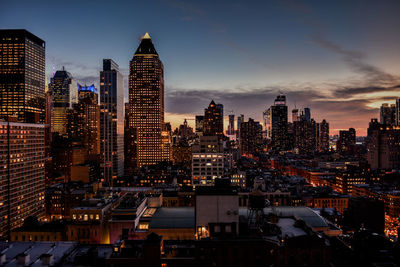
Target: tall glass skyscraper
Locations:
point(64, 93)
point(111, 121)
point(277, 124)
point(22, 76)
point(146, 104)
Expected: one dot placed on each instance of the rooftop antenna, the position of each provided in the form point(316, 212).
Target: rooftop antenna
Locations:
point(53, 68)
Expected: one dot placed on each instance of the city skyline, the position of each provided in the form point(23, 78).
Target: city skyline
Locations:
point(322, 57)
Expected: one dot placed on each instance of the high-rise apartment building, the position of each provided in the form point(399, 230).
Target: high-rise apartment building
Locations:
point(199, 121)
point(305, 135)
point(214, 120)
point(347, 141)
point(397, 112)
point(250, 139)
point(277, 124)
point(146, 104)
point(384, 148)
point(207, 161)
point(388, 114)
point(231, 125)
point(22, 76)
point(84, 120)
point(111, 121)
point(22, 175)
point(64, 93)
point(323, 137)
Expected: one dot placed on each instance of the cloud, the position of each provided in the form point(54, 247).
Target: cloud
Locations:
point(355, 60)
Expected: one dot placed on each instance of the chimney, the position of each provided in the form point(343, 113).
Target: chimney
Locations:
point(23, 259)
point(47, 259)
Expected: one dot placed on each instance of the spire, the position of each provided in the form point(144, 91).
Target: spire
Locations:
point(212, 104)
point(146, 46)
point(146, 36)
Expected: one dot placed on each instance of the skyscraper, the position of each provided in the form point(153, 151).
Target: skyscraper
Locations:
point(22, 177)
point(22, 76)
point(397, 112)
point(199, 121)
point(111, 121)
point(295, 115)
point(84, 119)
point(347, 141)
point(277, 124)
point(146, 103)
point(214, 120)
point(250, 139)
point(64, 93)
point(231, 126)
point(388, 114)
point(323, 142)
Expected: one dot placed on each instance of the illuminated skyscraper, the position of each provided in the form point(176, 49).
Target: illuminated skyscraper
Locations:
point(111, 121)
point(84, 119)
point(22, 76)
point(64, 93)
point(146, 104)
point(213, 124)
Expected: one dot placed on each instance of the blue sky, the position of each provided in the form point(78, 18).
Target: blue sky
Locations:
point(242, 53)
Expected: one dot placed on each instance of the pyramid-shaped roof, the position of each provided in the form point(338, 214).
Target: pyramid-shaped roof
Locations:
point(146, 46)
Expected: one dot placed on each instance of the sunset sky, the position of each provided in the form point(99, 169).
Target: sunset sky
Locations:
point(340, 58)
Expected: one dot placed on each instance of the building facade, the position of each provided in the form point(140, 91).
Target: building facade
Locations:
point(111, 121)
point(22, 177)
point(250, 139)
point(64, 93)
point(214, 120)
point(146, 104)
point(22, 76)
point(277, 124)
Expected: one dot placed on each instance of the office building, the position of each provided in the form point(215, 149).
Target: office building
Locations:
point(22, 177)
point(277, 124)
point(388, 114)
point(146, 104)
point(323, 137)
point(347, 141)
point(250, 139)
point(22, 76)
point(84, 120)
point(64, 93)
point(207, 161)
point(231, 125)
point(384, 148)
point(199, 121)
point(213, 124)
point(111, 121)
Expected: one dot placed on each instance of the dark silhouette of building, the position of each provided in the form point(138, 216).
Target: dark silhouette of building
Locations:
point(250, 139)
point(277, 124)
point(365, 213)
point(323, 137)
point(347, 141)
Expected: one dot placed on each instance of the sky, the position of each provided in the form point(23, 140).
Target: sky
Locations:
point(339, 58)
